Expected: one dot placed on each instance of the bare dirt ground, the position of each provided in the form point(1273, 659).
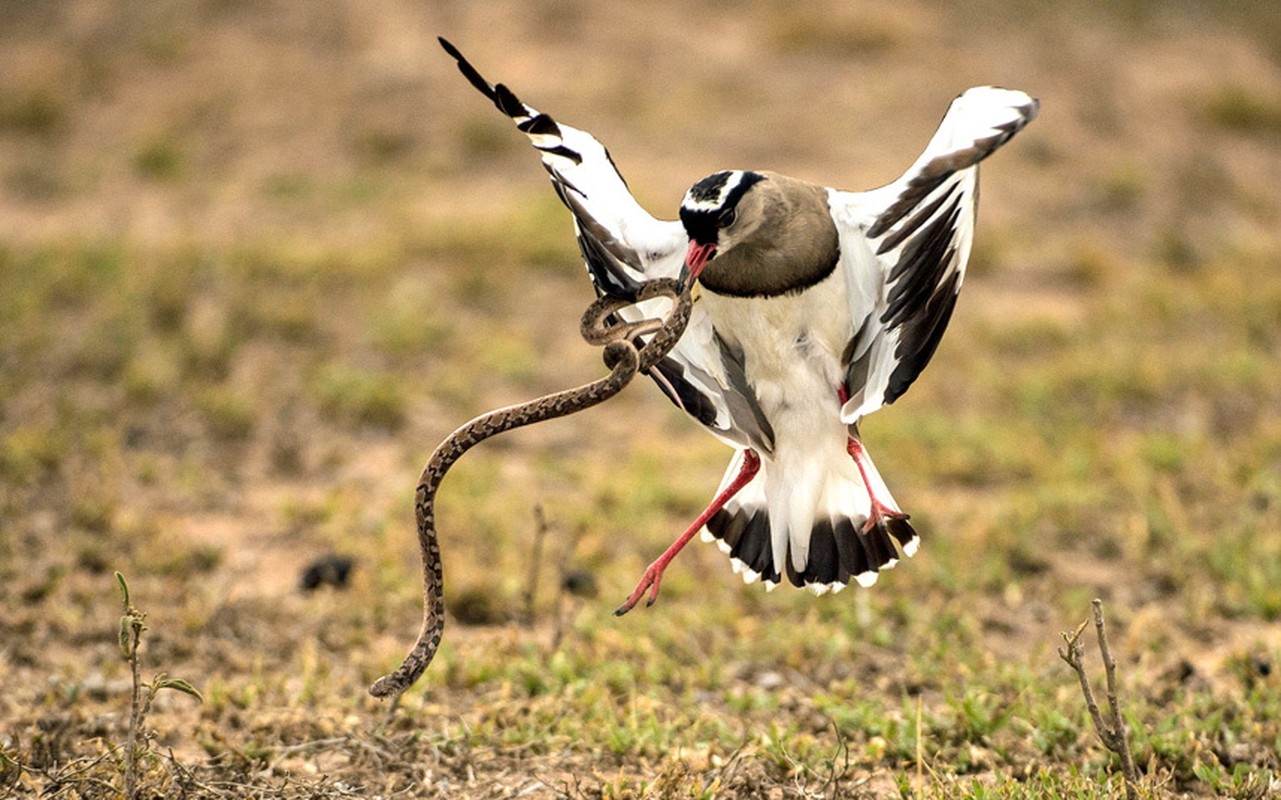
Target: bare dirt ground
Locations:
point(256, 259)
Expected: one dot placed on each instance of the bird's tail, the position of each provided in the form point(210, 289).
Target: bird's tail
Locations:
point(810, 527)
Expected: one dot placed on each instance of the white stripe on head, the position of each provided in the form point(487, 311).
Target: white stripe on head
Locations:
point(711, 192)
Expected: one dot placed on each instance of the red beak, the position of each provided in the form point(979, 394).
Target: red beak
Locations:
point(696, 258)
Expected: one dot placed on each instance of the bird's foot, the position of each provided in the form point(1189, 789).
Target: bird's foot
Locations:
point(890, 527)
point(651, 580)
point(881, 515)
point(653, 576)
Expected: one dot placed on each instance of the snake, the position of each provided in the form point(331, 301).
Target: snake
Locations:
point(625, 354)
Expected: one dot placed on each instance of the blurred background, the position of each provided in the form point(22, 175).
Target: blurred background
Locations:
point(258, 258)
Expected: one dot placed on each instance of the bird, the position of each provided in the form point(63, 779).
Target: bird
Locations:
point(813, 308)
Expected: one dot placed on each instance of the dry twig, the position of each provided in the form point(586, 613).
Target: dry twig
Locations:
point(1113, 732)
point(566, 609)
point(531, 584)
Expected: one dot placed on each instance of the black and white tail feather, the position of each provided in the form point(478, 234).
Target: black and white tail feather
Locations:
point(839, 546)
point(903, 250)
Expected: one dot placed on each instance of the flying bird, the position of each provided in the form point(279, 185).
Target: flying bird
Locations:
point(813, 308)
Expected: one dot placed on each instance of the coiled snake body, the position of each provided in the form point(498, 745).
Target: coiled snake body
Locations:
point(623, 354)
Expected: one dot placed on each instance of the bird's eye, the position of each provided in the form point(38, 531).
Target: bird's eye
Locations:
point(726, 218)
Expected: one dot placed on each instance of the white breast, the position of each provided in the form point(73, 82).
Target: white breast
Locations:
point(791, 344)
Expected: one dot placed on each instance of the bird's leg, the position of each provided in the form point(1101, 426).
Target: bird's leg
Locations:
point(881, 510)
point(653, 576)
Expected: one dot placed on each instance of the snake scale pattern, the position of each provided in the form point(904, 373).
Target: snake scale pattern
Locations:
point(624, 354)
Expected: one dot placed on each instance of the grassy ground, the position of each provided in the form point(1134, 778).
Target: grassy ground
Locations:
point(257, 259)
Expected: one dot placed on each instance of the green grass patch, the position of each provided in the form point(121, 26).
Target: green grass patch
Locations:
point(347, 393)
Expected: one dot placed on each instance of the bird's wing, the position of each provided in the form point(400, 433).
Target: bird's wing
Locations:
point(704, 376)
point(904, 247)
point(623, 245)
point(620, 241)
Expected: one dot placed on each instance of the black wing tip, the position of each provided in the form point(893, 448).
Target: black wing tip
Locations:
point(508, 102)
point(1030, 110)
point(502, 97)
point(449, 48)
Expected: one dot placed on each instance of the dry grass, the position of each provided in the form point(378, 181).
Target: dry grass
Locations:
point(256, 260)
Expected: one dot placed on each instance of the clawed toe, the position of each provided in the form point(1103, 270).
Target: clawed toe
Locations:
point(651, 580)
point(884, 518)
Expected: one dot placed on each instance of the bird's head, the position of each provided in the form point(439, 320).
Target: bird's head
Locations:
point(711, 215)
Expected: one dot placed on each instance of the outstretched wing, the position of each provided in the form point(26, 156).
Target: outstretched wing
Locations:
point(623, 245)
point(904, 247)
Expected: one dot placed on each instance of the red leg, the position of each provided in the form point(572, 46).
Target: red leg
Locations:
point(653, 576)
point(880, 509)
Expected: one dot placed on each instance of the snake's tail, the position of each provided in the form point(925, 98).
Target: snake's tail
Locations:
point(424, 650)
point(623, 359)
point(411, 669)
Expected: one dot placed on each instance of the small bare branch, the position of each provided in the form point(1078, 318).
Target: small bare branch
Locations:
point(1075, 659)
point(531, 583)
point(1113, 732)
point(563, 597)
point(1119, 730)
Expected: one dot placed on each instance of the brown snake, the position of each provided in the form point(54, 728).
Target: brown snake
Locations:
point(624, 360)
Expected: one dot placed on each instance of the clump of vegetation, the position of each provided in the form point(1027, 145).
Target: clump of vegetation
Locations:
point(355, 395)
point(38, 112)
point(51, 759)
point(159, 159)
point(229, 415)
point(143, 694)
point(801, 29)
point(1244, 110)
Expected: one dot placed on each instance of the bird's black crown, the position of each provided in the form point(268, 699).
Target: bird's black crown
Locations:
point(708, 202)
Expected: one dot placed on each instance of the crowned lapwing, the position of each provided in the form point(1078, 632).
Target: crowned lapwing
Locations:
point(813, 308)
